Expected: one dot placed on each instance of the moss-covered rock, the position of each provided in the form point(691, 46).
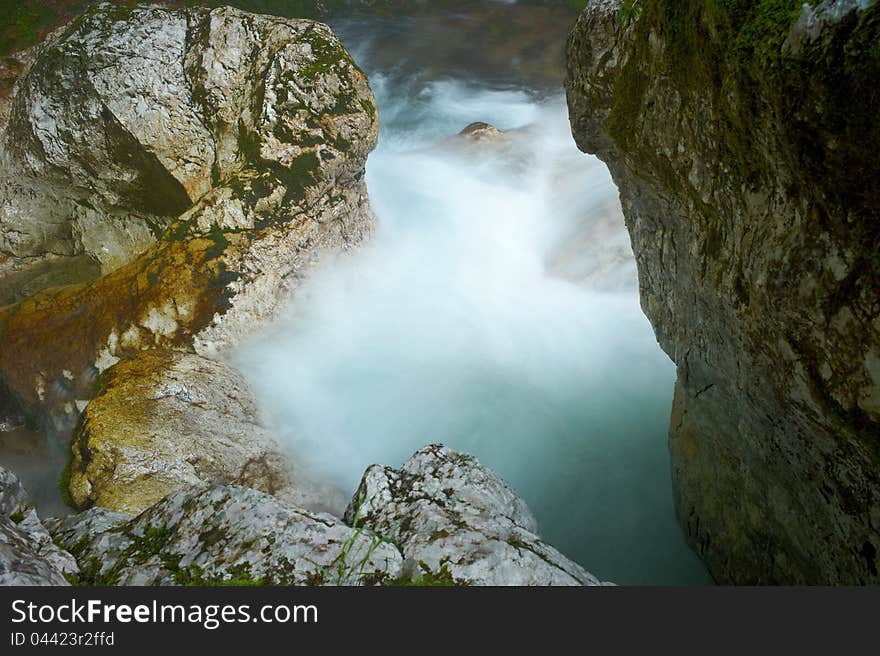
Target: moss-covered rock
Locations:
point(257, 128)
point(743, 137)
point(223, 535)
point(165, 421)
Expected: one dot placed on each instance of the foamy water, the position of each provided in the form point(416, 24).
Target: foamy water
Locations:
point(496, 311)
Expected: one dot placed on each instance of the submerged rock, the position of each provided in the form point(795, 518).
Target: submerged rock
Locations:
point(455, 520)
point(224, 534)
point(481, 132)
point(747, 174)
point(28, 556)
point(223, 151)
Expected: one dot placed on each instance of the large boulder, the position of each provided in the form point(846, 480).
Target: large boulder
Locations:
point(28, 556)
point(456, 521)
point(222, 151)
point(224, 534)
point(442, 519)
point(165, 421)
point(744, 142)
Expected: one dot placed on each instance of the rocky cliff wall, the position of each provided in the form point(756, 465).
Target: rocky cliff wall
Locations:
point(743, 136)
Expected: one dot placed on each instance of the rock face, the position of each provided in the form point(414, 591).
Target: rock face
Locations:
point(455, 519)
point(744, 145)
point(455, 522)
point(166, 421)
point(223, 151)
point(223, 534)
point(28, 556)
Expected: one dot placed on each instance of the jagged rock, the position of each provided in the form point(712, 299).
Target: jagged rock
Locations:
point(453, 518)
point(28, 556)
point(747, 176)
point(166, 421)
point(218, 534)
point(236, 142)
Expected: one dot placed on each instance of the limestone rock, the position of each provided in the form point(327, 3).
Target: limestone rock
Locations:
point(28, 556)
point(219, 534)
point(223, 150)
point(166, 421)
point(455, 519)
point(746, 173)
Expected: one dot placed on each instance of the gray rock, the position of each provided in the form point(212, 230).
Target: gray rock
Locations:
point(28, 556)
point(223, 151)
point(744, 179)
point(455, 520)
point(129, 117)
point(224, 534)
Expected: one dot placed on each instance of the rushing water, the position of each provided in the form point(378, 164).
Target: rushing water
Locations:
point(496, 311)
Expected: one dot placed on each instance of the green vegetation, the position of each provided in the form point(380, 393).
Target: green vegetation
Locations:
point(629, 10)
point(17, 517)
point(240, 577)
point(215, 234)
point(23, 22)
point(153, 544)
point(727, 48)
point(343, 570)
point(64, 485)
point(428, 578)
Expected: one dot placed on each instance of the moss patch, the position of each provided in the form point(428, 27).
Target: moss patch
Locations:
point(428, 578)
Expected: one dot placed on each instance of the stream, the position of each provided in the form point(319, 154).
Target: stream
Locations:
point(496, 311)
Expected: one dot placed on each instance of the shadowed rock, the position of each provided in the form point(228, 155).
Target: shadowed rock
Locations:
point(748, 180)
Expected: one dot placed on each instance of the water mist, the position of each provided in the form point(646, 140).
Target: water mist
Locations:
point(496, 311)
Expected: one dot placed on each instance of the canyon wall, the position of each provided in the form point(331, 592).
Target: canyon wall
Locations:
point(743, 137)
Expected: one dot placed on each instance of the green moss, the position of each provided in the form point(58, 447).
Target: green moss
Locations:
point(328, 56)
point(239, 576)
point(369, 108)
point(90, 574)
point(64, 485)
point(153, 543)
point(428, 578)
point(17, 517)
point(216, 235)
point(153, 540)
point(23, 22)
point(629, 93)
